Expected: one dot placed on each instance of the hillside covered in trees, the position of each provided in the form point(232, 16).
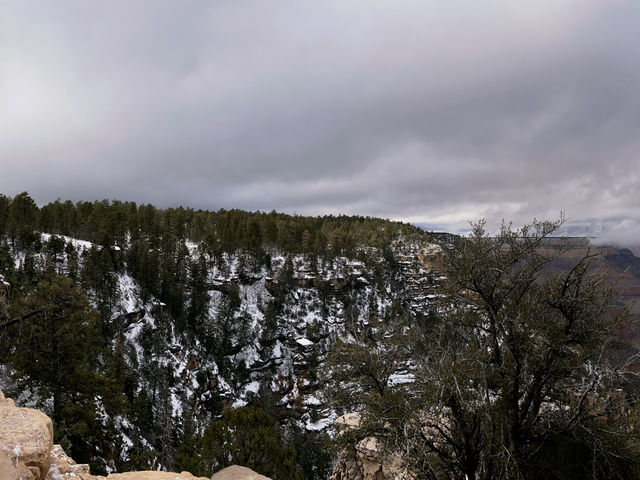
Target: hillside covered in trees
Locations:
point(147, 330)
point(192, 340)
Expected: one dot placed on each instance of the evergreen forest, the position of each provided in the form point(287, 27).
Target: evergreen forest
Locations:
point(143, 330)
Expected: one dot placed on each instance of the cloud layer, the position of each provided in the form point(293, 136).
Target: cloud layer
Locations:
point(431, 112)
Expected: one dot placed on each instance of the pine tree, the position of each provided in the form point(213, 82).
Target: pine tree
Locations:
point(56, 354)
point(22, 219)
point(247, 436)
point(72, 270)
point(5, 202)
point(99, 276)
point(198, 307)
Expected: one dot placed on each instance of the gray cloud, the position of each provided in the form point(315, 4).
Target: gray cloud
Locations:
point(432, 112)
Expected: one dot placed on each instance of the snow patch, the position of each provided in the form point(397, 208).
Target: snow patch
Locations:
point(305, 342)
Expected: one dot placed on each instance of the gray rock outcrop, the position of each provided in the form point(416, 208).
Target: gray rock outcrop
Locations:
point(366, 460)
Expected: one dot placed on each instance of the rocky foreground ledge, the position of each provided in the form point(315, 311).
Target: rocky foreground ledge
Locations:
point(27, 452)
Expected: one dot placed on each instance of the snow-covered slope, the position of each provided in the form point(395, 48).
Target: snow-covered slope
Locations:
point(264, 334)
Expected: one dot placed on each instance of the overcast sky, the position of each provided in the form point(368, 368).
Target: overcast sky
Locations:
point(434, 112)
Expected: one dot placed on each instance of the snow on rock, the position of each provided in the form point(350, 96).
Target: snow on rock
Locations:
point(129, 300)
point(305, 342)
point(317, 307)
point(401, 378)
point(78, 244)
point(321, 424)
point(64, 467)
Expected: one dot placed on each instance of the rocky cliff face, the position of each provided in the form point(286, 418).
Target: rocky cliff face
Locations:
point(262, 336)
point(262, 332)
point(366, 460)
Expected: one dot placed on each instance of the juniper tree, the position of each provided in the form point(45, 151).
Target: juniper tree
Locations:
point(22, 218)
point(513, 372)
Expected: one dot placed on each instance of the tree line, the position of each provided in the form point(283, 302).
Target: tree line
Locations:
point(116, 223)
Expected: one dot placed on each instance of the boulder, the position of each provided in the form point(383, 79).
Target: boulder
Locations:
point(10, 470)
point(26, 437)
point(347, 421)
point(27, 451)
point(395, 468)
point(370, 456)
point(64, 467)
point(370, 448)
point(366, 460)
point(235, 472)
point(4, 400)
point(431, 258)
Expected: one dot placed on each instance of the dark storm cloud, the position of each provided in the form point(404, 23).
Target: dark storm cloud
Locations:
point(434, 112)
